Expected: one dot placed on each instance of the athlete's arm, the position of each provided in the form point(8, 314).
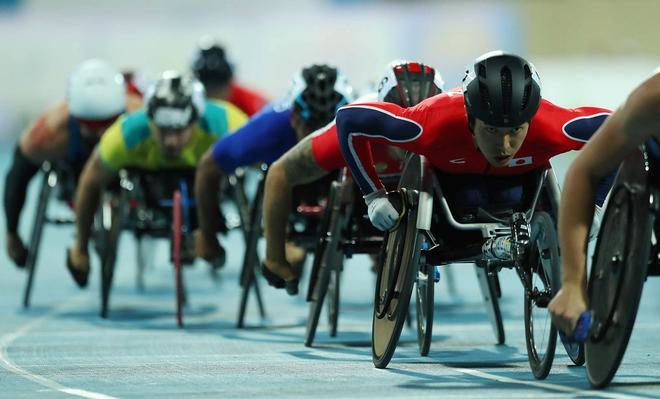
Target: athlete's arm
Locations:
point(95, 176)
point(259, 140)
point(207, 190)
point(359, 125)
point(45, 139)
point(297, 166)
point(621, 133)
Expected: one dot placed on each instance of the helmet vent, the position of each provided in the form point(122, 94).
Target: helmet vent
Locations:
point(505, 76)
point(526, 96)
point(484, 95)
point(482, 71)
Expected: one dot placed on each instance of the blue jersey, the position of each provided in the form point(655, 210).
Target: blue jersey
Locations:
point(78, 151)
point(264, 138)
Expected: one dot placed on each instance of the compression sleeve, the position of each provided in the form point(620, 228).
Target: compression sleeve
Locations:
point(19, 175)
point(358, 125)
point(264, 138)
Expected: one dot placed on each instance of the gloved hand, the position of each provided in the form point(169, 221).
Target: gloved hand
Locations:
point(595, 223)
point(382, 213)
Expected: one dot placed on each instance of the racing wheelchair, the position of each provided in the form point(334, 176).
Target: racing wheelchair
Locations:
point(436, 229)
point(309, 206)
point(626, 253)
point(155, 205)
point(61, 177)
point(344, 231)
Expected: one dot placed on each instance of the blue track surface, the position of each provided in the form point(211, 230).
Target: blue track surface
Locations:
point(61, 348)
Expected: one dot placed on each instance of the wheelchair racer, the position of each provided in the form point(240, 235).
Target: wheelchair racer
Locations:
point(497, 126)
point(96, 96)
point(637, 121)
point(173, 131)
point(211, 67)
point(405, 84)
point(315, 94)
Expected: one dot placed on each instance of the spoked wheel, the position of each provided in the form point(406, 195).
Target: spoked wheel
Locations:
point(177, 235)
point(543, 281)
point(425, 287)
point(107, 236)
point(489, 286)
point(50, 178)
point(325, 260)
point(618, 271)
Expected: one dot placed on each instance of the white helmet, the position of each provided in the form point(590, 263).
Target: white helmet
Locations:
point(96, 91)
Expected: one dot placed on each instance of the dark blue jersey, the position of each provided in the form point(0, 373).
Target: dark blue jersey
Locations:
point(264, 138)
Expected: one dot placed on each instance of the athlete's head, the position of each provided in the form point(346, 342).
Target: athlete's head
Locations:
point(407, 83)
point(96, 96)
point(173, 104)
point(502, 93)
point(316, 93)
point(211, 67)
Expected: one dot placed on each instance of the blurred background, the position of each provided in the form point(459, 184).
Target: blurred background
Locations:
point(587, 51)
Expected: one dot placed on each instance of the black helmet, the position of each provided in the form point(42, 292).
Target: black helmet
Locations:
point(407, 83)
point(317, 92)
point(175, 101)
point(210, 65)
point(501, 89)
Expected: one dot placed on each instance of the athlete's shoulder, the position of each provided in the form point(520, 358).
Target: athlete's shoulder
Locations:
point(134, 128)
point(220, 117)
point(577, 124)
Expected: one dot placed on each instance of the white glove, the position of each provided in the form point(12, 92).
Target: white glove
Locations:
point(595, 223)
point(382, 213)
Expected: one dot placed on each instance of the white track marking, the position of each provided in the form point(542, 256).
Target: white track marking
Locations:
point(544, 385)
point(7, 339)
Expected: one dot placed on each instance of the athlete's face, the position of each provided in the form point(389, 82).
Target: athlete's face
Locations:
point(172, 141)
point(499, 144)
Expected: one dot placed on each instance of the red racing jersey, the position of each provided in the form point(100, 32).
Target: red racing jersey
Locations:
point(247, 100)
point(437, 128)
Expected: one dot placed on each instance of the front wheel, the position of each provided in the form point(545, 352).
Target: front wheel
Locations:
point(543, 275)
point(394, 285)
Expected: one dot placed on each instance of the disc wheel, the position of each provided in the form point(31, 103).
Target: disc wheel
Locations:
point(618, 271)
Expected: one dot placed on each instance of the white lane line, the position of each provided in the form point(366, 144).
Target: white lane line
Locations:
point(544, 385)
point(7, 339)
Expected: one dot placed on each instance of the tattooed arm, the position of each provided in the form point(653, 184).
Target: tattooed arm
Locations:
point(295, 167)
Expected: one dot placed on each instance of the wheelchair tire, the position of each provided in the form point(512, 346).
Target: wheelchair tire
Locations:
point(107, 237)
point(619, 269)
point(35, 237)
point(544, 280)
point(251, 258)
point(325, 259)
point(398, 270)
point(398, 267)
point(177, 238)
point(488, 285)
point(333, 299)
point(425, 304)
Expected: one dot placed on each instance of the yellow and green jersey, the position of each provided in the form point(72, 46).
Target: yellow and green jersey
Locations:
point(130, 141)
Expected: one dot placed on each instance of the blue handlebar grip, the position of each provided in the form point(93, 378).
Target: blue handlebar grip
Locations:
point(582, 328)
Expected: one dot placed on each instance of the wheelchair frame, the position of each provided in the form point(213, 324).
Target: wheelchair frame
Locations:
point(420, 198)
